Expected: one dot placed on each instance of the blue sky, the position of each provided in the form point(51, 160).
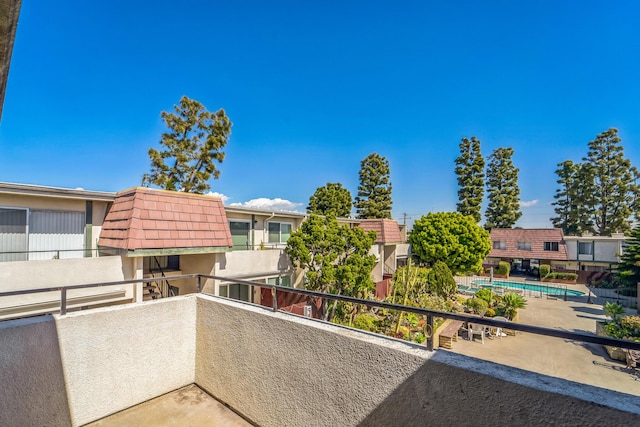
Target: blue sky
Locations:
point(314, 87)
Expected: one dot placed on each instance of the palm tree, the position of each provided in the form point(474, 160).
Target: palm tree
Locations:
point(511, 302)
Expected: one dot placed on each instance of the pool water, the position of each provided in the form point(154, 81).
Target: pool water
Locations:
point(550, 290)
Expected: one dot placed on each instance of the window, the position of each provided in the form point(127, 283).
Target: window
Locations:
point(499, 245)
point(279, 232)
point(524, 246)
point(13, 234)
point(282, 281)
point(551, 246)
point(235, 291)
point(161, 263)
point(240, 234)
point(585, 248)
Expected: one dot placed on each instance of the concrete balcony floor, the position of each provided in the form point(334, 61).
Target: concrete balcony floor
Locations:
point(188, 406)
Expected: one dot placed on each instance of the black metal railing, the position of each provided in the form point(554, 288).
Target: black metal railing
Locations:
point(8, 256)
point(430, 314)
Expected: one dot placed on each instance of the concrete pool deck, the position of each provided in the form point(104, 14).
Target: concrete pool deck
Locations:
point(574, 361)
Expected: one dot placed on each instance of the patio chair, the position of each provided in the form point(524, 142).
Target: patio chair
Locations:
point(498, 331)
point(475, 329)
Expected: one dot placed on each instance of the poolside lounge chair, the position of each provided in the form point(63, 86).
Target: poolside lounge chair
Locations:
point(475, 329)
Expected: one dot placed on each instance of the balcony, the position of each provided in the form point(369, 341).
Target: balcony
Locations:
point(272, 368)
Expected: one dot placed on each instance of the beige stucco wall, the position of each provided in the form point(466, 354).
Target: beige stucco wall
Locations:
point(116, 357)
point(309, 373)
point(605, 249)
point(59, 272)
point(33, 391)
point(276, 369)
point(73, 369)
point(24, 275)
point(246, 263)
point(196, 264)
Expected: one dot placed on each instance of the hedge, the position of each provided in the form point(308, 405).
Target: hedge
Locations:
point(562, 276)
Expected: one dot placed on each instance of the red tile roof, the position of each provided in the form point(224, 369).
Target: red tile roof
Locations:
point(387, 230)
point(145, 218)
point(537, 238)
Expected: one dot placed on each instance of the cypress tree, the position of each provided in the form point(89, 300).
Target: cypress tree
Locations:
point(629, 267)
point(470, 172)
point(611, 184)
point(503, 210)
point(374, 192)
point(573, 203)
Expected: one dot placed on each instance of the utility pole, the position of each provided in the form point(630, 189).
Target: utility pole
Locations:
point(404, 218)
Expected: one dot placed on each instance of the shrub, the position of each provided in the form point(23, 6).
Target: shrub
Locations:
point(630, 322)
point(435, 302)
point(441, 281)
point(419, 338)
point(477, 305)
point(366, 322)
point(613, 310)
point(485, 294)
point(503, 268)
point(544, 270)
point(562, 276)
point(490, 312)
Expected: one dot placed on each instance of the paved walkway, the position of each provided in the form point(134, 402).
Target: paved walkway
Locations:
point(188, 406)
point(575, 361)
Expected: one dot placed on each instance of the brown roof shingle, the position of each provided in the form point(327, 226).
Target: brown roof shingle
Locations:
point(387, 230)
point(145, 218)
point(537, 238)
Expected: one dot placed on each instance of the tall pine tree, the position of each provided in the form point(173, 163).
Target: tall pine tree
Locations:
point(374, 192)
point(629, 266)
point(503, 210)
point(573, 205)
point(612, 186)
point(193, 142)
point(470, 172)
point(331, 199)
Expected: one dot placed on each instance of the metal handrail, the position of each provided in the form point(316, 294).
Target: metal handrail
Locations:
point(431, 314)
point(557, 333)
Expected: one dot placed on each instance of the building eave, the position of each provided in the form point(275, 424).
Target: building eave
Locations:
point(55, 192)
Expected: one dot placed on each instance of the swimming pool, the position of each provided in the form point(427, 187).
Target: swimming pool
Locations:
point(543, 289)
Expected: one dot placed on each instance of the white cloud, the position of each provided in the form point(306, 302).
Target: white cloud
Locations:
point(528, 204)
point(216, 194)
point(276, 204)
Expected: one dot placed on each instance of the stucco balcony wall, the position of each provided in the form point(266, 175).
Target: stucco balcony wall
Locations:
point(275, 369)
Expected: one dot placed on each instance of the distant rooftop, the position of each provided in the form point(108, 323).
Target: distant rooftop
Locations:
point(150, 221)
point(536, 237)
point(387, 230)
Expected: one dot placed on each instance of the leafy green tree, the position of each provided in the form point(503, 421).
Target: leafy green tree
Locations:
point(335, 258)
point(452, 238)
point(573, 205)
point(470, 172)
point(503, 210)
point(374, 192)
point(194, 140)
point(613, 187)
point(441, 281)
point(629, 267)
point(331, 199)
